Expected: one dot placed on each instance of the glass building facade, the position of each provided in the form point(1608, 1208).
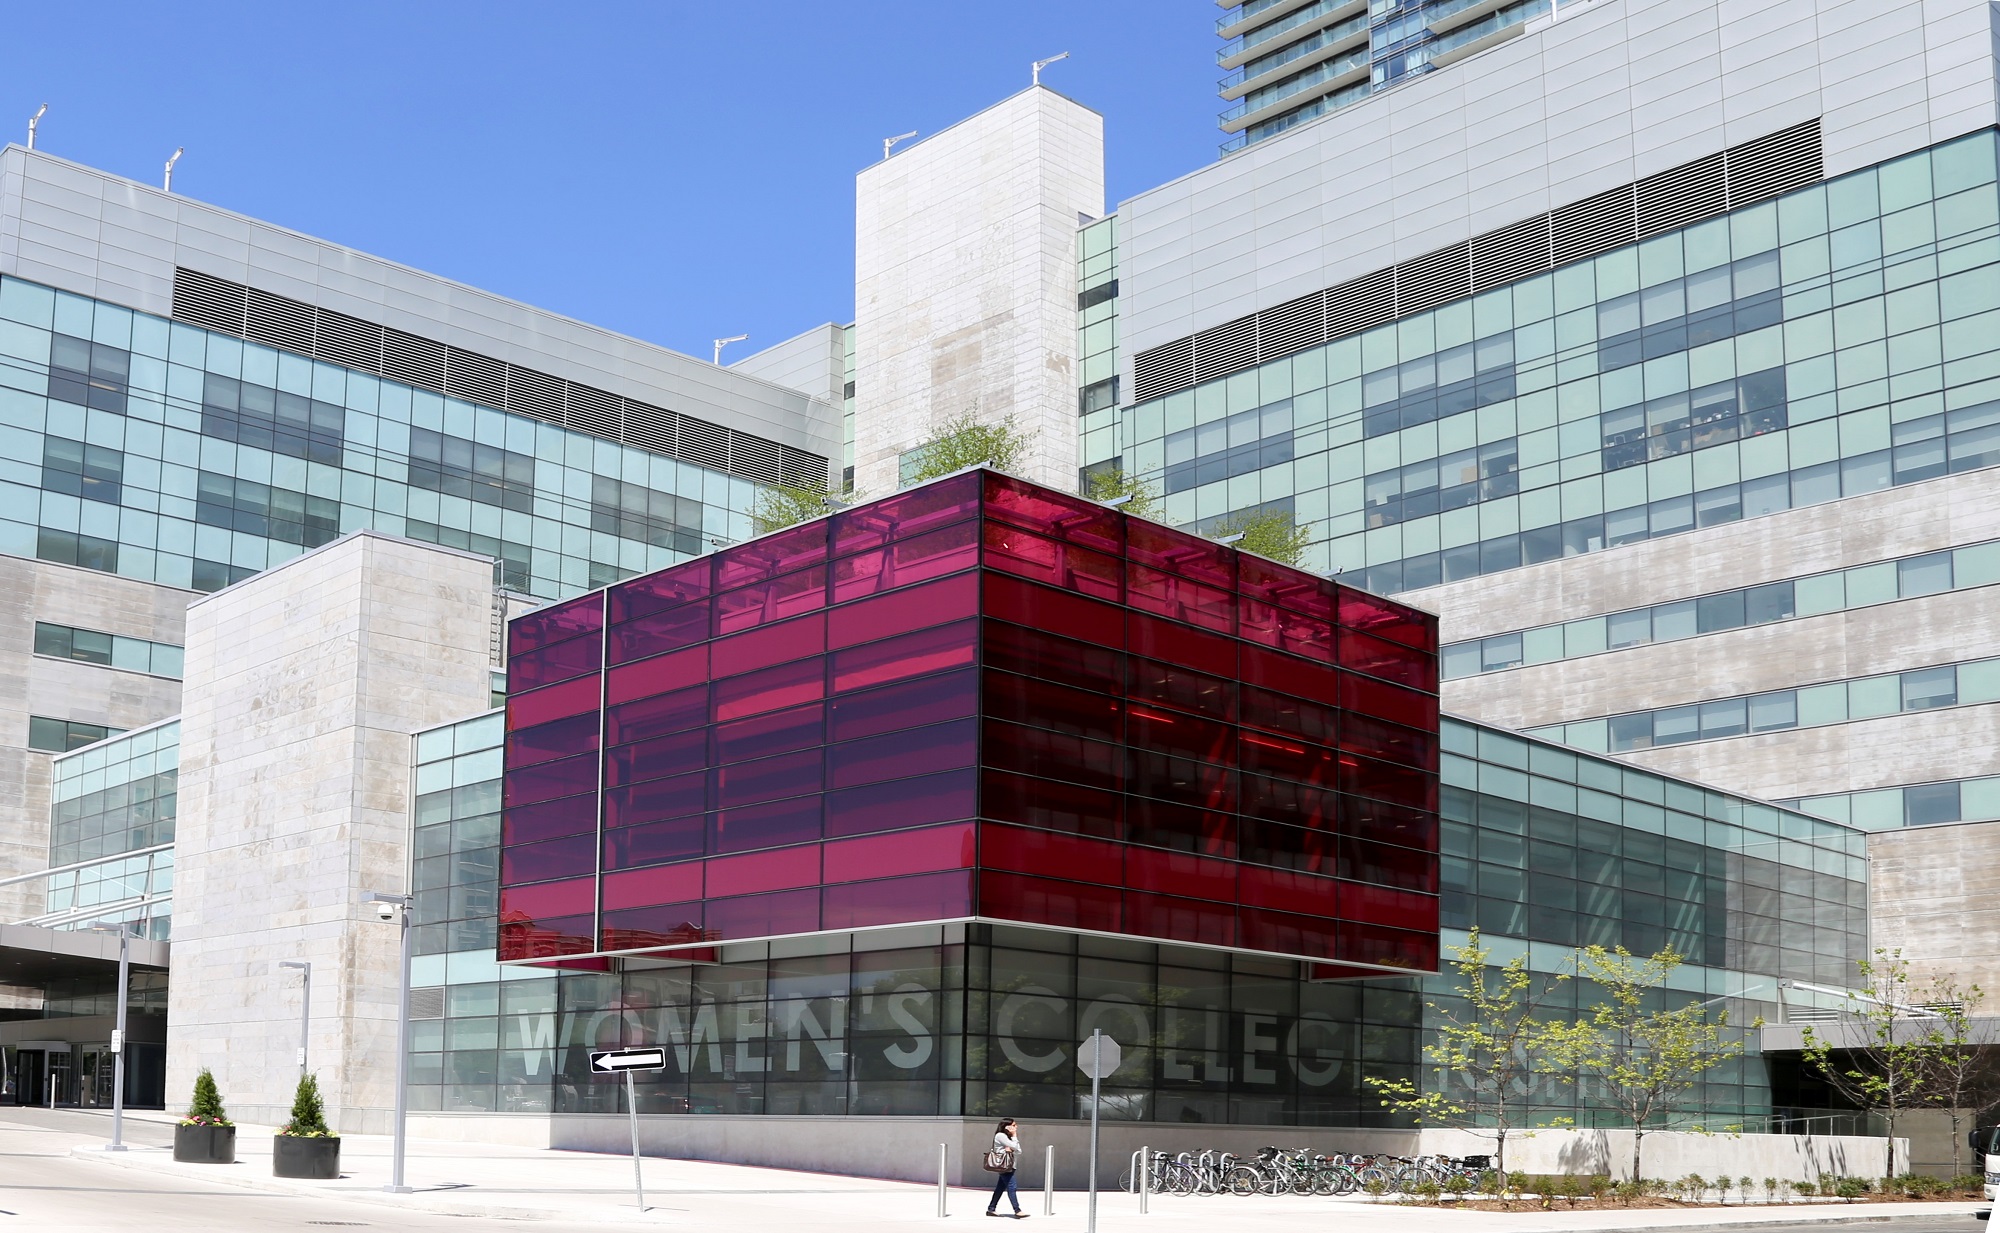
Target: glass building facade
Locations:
point(112, 814)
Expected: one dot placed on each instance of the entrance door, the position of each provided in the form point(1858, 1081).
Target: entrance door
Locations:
point(31, 1082)
point(62, 1072)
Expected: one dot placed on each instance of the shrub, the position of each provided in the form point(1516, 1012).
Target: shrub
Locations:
point(1743, 1185)
point(1516, 1181)
point(206, 1107)
point(1458, 1184)
point(1969, 1181)
point(1376, 1186)
point(1850, 1188)
point(308, 1120)
point(1428, 1191)
point(1808, 1189)
point(1489, 1182)
point(1598, 1185)
point(1770, 1188)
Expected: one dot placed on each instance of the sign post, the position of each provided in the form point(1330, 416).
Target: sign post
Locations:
point(628, 1061)
point(1097, 1057)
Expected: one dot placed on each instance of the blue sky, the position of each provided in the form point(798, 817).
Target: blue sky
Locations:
point(672, 170)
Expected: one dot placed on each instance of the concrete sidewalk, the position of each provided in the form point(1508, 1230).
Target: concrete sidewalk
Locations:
point(515, 1183)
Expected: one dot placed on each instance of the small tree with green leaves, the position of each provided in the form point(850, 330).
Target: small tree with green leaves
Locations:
point(1960, 1079)
point(1883, 1058)
point(1486, 1053)
point(1641, 1060)
point(308, 1120)
point(964, 441)
point(1142, 499)
point(1268, 533)
point(782, 505)
point(206, 1107)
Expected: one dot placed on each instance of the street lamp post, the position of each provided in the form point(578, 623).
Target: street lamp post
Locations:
point(117, 1143)
point(305, 968)
point(398, 908)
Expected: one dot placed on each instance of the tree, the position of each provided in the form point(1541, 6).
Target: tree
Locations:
point(965, 442)
point(1268, 533)
point(1883, 1054)
point(1484, 1058)
point(308, 1118)
point(1144, 499)
point(782, 505)
point(1642, 1059)
point(206, 1107)
point(1960, 1079)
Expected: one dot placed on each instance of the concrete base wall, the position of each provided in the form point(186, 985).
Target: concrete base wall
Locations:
point(1671, 1154)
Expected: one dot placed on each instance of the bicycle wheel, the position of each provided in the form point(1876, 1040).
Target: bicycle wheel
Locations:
point(1344, 1181)
point(1243, 1180)
point(1371, 1174)
point(1125, 1181)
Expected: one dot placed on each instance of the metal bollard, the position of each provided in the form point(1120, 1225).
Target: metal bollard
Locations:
point(1049, 1182)
point(1144, 1179)
point(944, 1158)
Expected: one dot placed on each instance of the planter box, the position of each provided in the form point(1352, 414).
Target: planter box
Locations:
point(205, 1144)
point(293, 1156)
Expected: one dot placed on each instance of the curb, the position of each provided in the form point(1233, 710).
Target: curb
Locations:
point(1781, 1222)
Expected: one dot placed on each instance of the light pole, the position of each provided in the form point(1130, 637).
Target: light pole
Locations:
point(305, 967)
point(720, 343)
point(124, 931)
point(398, 908)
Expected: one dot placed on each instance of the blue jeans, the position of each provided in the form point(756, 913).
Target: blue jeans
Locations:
point(1003, 1183)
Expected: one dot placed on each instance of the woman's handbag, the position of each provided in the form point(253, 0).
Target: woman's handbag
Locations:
point(999, 1160)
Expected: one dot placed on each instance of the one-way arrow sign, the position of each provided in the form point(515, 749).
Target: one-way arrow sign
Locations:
point(610, 1061)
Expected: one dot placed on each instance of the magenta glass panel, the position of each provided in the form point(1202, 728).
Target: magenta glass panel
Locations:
point(905, 514)
point(1393, 742)
point(656, 759)
point(903, 852)
point(1287, 933)
point(549, 820)
point(1289, 674)
point(558, 661)
point(669, 588)
point(655, 799)
point(582, 615)
point(762, 916)
point(674, 670)
point(1388, 865)
point(1051, 561)
point(660, 632)
point(1169, 595)
point(1290, 802)
point(566, 777)
point(1040, 852)
point(773, 644)
point(763, 826)
point(901, 803)
point(1044, 901)
point(553, 702)
point(907, 561)
point(927, 897)
point(1286, 630)
point(1271, 583)
point(553, 858)
point(1290, 890)
point(1386, 618)
point(650, 717)
point(1279, 846)
point(1054, 513)
point(1384, 905)
point(1177, 552)
point(543, 742)
point(546, 938)
point(776, 732)
point(1398, 947)
point(765, 602)
point(1183, 736)
point(1285, 758)
point(652, 927)
point(663, 884)
point(771, 555)
point(1391, 661)
point(1183, 874)
point(1278, 712)
point(1178, 644)
point(1385, 781)
point(1181, 779)
point(906, 655)
point(673, 839)
point(933, 603)
point(770, 689)
point(1183, 689)
point(927, 700)
point(900, 755)
point(571, 898)
point(1386, 701)
point(747, 783)
point(1381, 822)
point(778, 869)
point(1053, 805)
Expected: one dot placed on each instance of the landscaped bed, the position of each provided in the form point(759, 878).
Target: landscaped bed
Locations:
point(1553, 1193)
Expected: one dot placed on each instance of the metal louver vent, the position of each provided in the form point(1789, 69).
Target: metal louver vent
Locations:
point(293, 325)
point(427, 1003)
point(1744, 174)
point(1292, 326)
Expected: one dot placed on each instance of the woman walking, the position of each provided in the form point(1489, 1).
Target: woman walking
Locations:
point(1005, 1155)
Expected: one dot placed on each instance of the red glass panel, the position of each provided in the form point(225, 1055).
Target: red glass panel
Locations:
point(658, 633)
point(652, 927)
point(765, 602)
point(663, 884)
point(904, 852)
point(1276, 712)
point(571, 898)
point(1052, 561)
point(1385, 781)
point(900, 755)
point(1177, 644)
point(770, 689)
point(1178, 598)
point(1286, 630)
point(761, 916)
point(1289, 890)
point(1382, 905)
point(1390, 661)
point(1053, 755)
point(559, 661)
point(1045, 852)
point(933, 603)
point(636, 721)
point(779, 869)
point(901, 803)
point(747, 783)
point(1179, 920)
point(581, 615)
point(771, 555)
point(1181, 735)
point(749, 827)
point(553, 702)
point(777, 732)
point(675, 839)
point(1287, 934)
point(1177, 552)
point(1389, 947)
point(1045, 704)
point(1032, 653)
point(549, 820)
point(655, 799)
point(905, 514)
point(1386, 701)
point(542, 939)
point(908, 561)
point(1055, 612)
point(1184, 689)
point(1385, 823)
point(1295, 804)
point(1181, 779)
point(656, 759)
point(543, 742)
point(772, 644)
point(1290, 675)
point(1052, 805)
point(573, 857)
point(1178, 873)
point(892, 901)
point(1183, 828)
point(929, 700)
point(675, 670)
point(1388, 865)
point(567, 777)
point(1053, 513)
point(1286, 758)
point(1272, 583)
point(1378, 739)
point(657, 592)
point(905, 655)
point(1385, 618)
point(1279, 846)
point(1044, 901)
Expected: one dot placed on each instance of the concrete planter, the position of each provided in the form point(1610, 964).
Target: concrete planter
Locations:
point(205, 1144)
point(293, 1156)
